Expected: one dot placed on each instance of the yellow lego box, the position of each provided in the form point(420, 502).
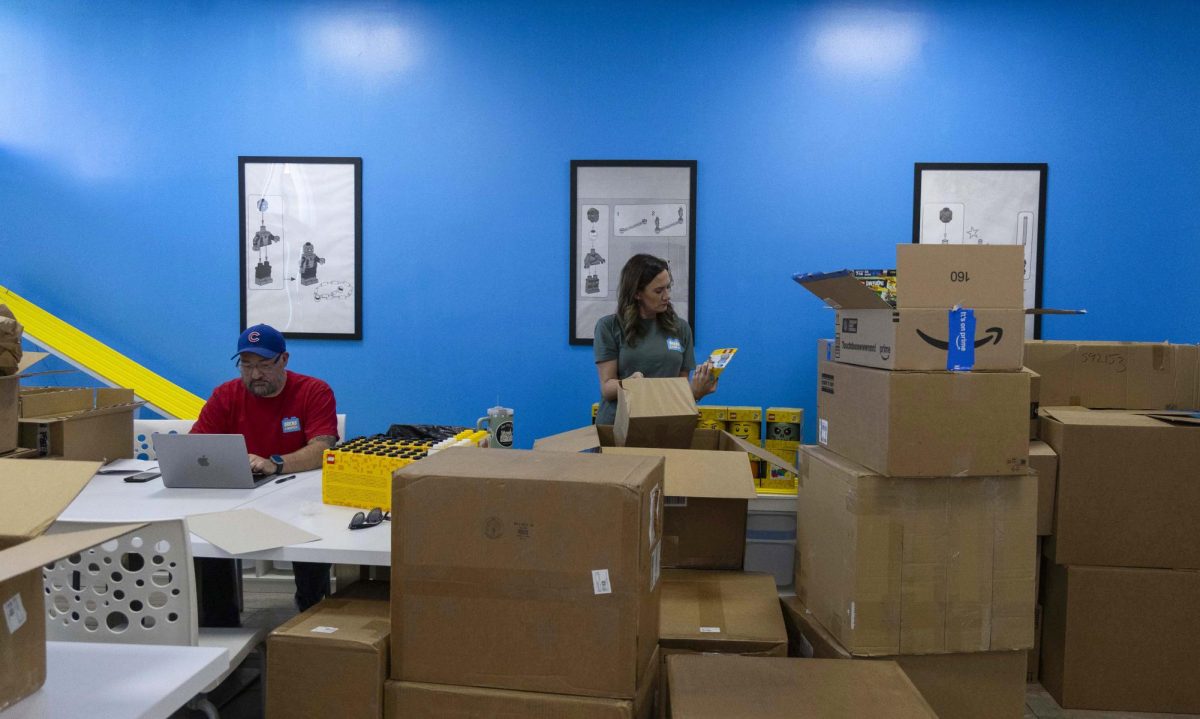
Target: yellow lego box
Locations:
point(775, 480)
point(712, 417)
point(360, 473)
point(745, 422)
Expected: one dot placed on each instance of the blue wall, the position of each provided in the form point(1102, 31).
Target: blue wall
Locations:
point(121, 123)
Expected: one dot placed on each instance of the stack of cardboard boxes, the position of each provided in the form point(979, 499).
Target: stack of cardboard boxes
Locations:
point(1121, 571)
point(917, 511)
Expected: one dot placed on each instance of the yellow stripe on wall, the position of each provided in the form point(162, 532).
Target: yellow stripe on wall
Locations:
point(101, 360)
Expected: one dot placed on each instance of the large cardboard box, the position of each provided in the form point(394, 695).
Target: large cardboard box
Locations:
point(9, 404)
point(81, 423)
point(1116, 375)
point(332, 660)
point(708, 488)
point(925, 424)
point(978, 685)
point(1120, 639)
point(916, 566)
point(726, 612)
point(655, 412)
point(957, 307)
point(443, 701)
point(1044, 461)
point(32, 494)
point(1128, 494)
point(716, 686)
point(533, 571)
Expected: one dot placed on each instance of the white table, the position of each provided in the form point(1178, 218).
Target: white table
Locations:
point(119, 681)
point(109, 498)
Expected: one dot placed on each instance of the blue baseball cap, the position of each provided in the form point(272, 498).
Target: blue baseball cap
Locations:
point(262, 340)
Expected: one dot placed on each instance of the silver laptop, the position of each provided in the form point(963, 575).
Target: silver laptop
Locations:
point(208, 461)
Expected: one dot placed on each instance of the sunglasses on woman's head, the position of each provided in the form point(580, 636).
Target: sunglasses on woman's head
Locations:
point(362, 520)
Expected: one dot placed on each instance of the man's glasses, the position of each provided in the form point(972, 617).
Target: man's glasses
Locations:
point(362, 520)
point(252, 367)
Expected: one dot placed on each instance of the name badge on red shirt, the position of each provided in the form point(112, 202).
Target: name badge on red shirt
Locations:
point(291, 424)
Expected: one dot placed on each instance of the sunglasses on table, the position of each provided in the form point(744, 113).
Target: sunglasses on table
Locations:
point(362, 520)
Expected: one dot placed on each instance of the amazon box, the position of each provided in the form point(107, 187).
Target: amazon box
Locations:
point(707, 490)
point(956, 307)
point(717, 686)
point(1116, 375)
point(655, 413)
point(332, 660)
point(916, 566)
point(32, 495)
point(925, 424)
point(442, 701)
point(976, 685)
point(81, 423)
point(1121, 639)
point(1044, 462)
point(530, 571)
point(1127, 493)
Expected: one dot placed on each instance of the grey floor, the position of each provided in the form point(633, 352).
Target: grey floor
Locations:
point(270, 609)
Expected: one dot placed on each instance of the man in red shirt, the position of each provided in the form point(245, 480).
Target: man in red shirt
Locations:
point(288, 420)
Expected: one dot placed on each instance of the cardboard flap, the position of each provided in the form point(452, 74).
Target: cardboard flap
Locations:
point(1189, 419)
point(29, 359)
point(34, 492)
point(841, 290)
point(581, 439)
point(967, 275)
point(94, 412)
point(43, 550)
point(1103, 418)
point(764, 455)
point(700, 472)
point(647, 397)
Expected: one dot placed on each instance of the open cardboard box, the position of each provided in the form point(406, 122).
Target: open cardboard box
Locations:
point(84, 423)
point(927, 329)
point(9, 406)
point(655, 412)
point(32, 495)
point(707, 488)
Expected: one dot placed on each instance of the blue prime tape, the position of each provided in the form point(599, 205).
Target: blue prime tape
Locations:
point(960, 356)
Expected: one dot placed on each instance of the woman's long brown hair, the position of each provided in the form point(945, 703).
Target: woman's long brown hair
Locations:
point(639, 272)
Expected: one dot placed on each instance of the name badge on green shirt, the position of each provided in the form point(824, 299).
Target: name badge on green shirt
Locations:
point(674, 344)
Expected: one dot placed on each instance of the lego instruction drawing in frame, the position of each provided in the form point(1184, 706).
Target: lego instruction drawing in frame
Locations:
point(300, 245)
point(620, 208)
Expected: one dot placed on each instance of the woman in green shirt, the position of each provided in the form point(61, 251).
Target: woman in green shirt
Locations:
point(645, 338)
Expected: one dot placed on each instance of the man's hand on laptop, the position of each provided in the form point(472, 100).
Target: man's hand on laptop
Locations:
point(261, 465)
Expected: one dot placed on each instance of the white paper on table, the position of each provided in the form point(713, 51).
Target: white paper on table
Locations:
point(240, 531)
point(127, 466)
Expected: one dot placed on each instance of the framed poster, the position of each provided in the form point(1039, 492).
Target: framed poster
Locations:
point(300, 245)
point(620, 208)
point(986, 204)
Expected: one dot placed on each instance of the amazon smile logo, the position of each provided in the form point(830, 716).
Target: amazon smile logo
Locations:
point(993, 336)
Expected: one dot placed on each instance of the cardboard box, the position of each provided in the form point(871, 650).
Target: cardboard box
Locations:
point(957, 307)
point(441, 701)
point(726, 612)
point(9, 404)
point(655, 413)
point(925, 424)
point(1035, 393)
point(32, 494)
point(533, 571)
point(979, 685)
point(1127, 491)
point(82, 423)
point(1033, 661)
point(1120, 639)
point(916, 566)
point(1116, 375)
point(1044, 462)
point(718, 686)
point(331, 660)
point(705, 510)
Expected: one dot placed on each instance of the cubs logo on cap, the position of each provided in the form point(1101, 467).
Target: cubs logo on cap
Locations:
point(262, 340)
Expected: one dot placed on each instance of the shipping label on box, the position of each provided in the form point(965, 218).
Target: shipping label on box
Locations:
point(925, 424)
point(912, 566)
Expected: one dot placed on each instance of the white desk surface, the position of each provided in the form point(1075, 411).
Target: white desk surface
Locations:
point(109, 498)
point(298, 502)
point(119, 681)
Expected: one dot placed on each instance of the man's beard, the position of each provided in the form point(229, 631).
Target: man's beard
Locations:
point(262, 388)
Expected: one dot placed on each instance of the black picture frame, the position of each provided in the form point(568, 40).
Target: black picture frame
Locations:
point(995, 190)
point(315, 210)
point(625, 195)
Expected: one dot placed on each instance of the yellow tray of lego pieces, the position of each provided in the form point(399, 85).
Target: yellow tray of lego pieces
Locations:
point(719, 359)
point(360, 473)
